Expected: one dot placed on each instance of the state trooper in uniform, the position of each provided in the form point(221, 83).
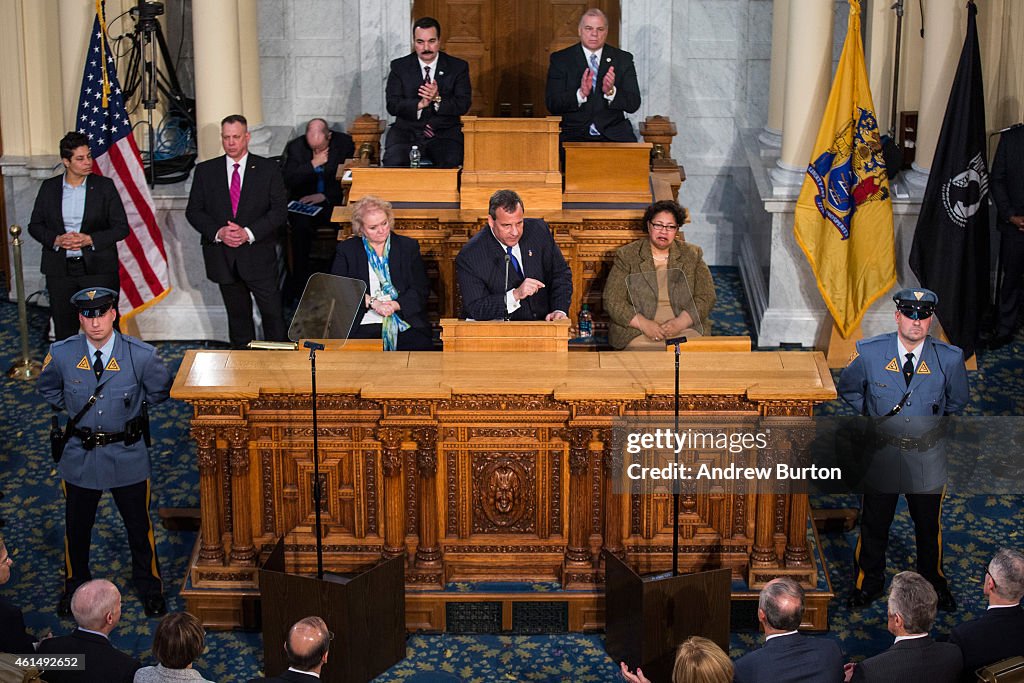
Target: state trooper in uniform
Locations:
point(106, 379)
point(909, 381)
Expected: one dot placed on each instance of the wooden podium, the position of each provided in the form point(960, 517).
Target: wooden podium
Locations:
point(505, 335)
point(589, 166)
point(440, 185)
point(516, 154)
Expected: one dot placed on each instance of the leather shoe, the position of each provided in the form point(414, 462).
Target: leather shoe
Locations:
point(860, 599)
point(154, 605)
point(64, 605)
point(946, 601)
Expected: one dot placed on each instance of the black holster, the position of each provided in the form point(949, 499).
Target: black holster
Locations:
point(57, 440)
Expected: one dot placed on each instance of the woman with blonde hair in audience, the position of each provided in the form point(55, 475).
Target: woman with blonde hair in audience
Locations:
point(395, 304)
point(659, 286)
point(698, 660)
point(178, 641)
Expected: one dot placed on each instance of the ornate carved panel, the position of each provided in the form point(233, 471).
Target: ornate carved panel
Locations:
point(504, 492)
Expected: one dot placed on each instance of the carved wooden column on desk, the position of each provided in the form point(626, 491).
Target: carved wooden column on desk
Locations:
point(577, 552)
point(797, 554)
point(394, 495)
point(243, 551)
point(211, 549)
point(763, 552)
point(428, 553)
point(613, 502)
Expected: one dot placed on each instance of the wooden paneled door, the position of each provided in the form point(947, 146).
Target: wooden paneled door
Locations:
point(507, 44)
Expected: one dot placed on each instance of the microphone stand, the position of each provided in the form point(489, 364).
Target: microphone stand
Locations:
point(675, 341)
point(313, 347)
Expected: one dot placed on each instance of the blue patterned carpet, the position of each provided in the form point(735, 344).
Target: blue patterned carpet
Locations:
point(973, 528)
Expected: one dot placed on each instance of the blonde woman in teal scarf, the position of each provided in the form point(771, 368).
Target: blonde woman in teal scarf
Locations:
point(394, 307)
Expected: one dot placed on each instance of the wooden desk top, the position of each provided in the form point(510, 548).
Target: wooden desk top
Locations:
point(769, 375)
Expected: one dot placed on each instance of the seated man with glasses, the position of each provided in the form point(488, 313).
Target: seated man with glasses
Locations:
point(659, 286)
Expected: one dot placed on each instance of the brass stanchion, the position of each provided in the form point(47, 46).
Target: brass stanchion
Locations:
point(24, 367)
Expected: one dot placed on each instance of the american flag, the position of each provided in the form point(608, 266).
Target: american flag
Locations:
point(102, 116)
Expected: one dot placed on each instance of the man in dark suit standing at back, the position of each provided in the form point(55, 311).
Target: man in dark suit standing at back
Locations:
point(427, 92)
point(787, 655)
point(1007, 185)
point(914, 656)
point(513, 270)
point(238, 203)
point(310, 173)
point(591, 85)
point(78, 217)
point(307, 648)
point(999, 633)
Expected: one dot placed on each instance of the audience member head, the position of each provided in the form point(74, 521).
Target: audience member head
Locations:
point(5, 563)
point(912, 604)
point(426, 38)
point(96, 606)
point(593, 29)
point(663, 220)
point(505, 217)
point(1004, 581)
point(307, 644)
point(699, 660)
point(234, 136)
point(372, 218)
point(318, 134)
point(781, 606)
point(178, 640)
point(76, 155)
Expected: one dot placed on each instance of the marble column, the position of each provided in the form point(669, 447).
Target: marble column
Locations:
point(215, 27)
point(771, 136)
point(386, 34)
point(42, 71)
point(646, 30)
point(945, 24)
point(76, 18)
point(249, 64)
point(879, 50)
point(808, 74)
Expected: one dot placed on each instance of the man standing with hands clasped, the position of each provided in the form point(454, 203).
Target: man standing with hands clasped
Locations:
point(591, 84)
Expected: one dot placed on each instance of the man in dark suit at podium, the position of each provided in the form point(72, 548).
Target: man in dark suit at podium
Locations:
point(999, 633)
point(591, 85)
point(427, 92)
point(238, 203)
point(787, 655)
point(307, 647)
point(513, 270)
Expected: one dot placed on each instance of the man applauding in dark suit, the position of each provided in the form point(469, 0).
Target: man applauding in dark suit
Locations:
point(513, 270)
point(591, 85)
point(307, 648)
point(788, 656)
point(427, 92)
point(96, 606)
point(999, 633)
point(914, 656)
point(238, 203)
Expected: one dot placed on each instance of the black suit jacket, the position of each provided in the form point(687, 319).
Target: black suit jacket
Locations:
point(565, 70)
point(262, 207)
point(921, 660)
point(299, 176)
point(480, 267)
point(103, 662)
point(402, 95)
point(1008, 177)
point(408, 275)
point(995, 635)
point(287, 677)
point(794, 658)
point(104, 219)
point(13, 637)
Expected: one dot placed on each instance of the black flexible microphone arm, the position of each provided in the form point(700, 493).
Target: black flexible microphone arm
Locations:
point(313, 348)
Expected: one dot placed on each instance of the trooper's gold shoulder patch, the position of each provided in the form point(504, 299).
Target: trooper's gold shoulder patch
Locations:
point(853, 357)
point(46, 361)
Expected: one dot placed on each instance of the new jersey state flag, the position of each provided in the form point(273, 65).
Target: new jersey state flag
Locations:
point(843, 219)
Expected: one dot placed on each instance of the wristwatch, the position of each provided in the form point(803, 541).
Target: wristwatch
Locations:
point(437, 99)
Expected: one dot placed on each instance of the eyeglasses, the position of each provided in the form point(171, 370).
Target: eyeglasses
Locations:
point(663, 226)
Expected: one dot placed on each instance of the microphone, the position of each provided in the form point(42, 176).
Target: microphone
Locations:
point(313, 346)
point(505, 290)
point(675, 340)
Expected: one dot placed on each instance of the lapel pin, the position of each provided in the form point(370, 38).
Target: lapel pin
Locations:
point(608, 59)
point(529, 252)
point(440, 73)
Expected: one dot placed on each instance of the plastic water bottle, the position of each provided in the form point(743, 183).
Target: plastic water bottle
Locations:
point(586, 323)
point(414, 157)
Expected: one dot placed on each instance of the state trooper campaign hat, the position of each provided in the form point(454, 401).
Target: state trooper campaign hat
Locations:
point(916, 304)
point(94, 302)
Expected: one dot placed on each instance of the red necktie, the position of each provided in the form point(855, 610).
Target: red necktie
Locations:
point(236, 190)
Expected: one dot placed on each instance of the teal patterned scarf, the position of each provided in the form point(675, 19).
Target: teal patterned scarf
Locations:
point(392, 324)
